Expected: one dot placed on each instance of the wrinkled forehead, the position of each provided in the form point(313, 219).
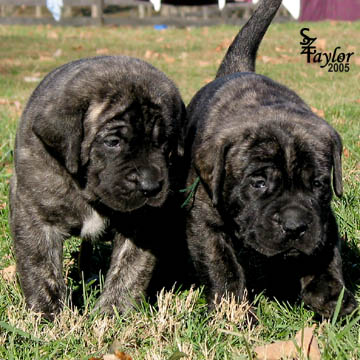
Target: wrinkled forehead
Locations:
point(138, 119)
point(286, 149)
point(133, 112)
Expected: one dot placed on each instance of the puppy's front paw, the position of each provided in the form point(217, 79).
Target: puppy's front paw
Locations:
point(322, 296)
point(46, 300)
point(235, 290)
point(111, 305)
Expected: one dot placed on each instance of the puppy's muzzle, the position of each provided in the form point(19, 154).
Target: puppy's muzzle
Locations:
point(293, 221)
point(148, 180)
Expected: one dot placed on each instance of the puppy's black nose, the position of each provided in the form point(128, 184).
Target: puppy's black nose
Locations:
point(150, 188)
point(150, 182)
point(294, 222)
point(294, 229)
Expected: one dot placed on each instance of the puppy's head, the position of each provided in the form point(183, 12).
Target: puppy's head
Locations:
point(268, 172)
point(114, 122)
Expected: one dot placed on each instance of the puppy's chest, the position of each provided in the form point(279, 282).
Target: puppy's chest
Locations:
point(94, 226)
point(271, 274)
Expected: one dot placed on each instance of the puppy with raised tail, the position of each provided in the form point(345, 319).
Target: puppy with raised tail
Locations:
point(261, 216)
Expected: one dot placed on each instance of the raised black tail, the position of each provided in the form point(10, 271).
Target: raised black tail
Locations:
point(241, 54)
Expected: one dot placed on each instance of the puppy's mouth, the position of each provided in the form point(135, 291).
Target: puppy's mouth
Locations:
point(291, 248)
point(156, 201)
point(127, 201)
point(286, 252)
point(274, 243)
point(292, 253)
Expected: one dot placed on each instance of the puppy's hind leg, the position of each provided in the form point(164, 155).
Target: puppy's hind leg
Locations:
point(39, 253)
point(128, 277)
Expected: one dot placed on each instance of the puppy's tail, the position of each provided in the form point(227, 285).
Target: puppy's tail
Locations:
point(241, 54)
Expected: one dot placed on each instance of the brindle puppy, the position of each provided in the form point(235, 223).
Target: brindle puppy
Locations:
point(92, 158)
point(261, 217)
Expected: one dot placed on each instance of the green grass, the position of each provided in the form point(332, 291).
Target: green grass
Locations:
point(179, 323)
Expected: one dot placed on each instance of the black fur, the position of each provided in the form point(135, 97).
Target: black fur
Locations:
point(261, 217)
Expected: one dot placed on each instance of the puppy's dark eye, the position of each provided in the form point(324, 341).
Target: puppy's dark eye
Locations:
point(124, 131)
point(317, 184)
point(258, 184)
point(112, 141)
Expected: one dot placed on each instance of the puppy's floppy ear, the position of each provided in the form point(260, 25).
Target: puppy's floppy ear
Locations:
point(337, 170)
point(62, 134)
point(210, 164)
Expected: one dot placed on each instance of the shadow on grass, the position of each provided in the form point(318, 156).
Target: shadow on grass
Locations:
point(92, 261)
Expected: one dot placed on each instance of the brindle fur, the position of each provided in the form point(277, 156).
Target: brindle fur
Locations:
point(93, 158)
point(261, 217)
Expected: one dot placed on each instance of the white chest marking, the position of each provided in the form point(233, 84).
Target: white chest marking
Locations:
point(93, 226)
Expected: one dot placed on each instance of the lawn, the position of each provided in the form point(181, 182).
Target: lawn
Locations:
point(179, 325)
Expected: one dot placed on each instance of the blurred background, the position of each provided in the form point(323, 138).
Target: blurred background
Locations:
point(179, 13)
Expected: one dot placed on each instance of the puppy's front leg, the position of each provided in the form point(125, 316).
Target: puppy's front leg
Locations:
point(128, 277)
point(321, 291)
point(39, 253)
point(214, 258)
